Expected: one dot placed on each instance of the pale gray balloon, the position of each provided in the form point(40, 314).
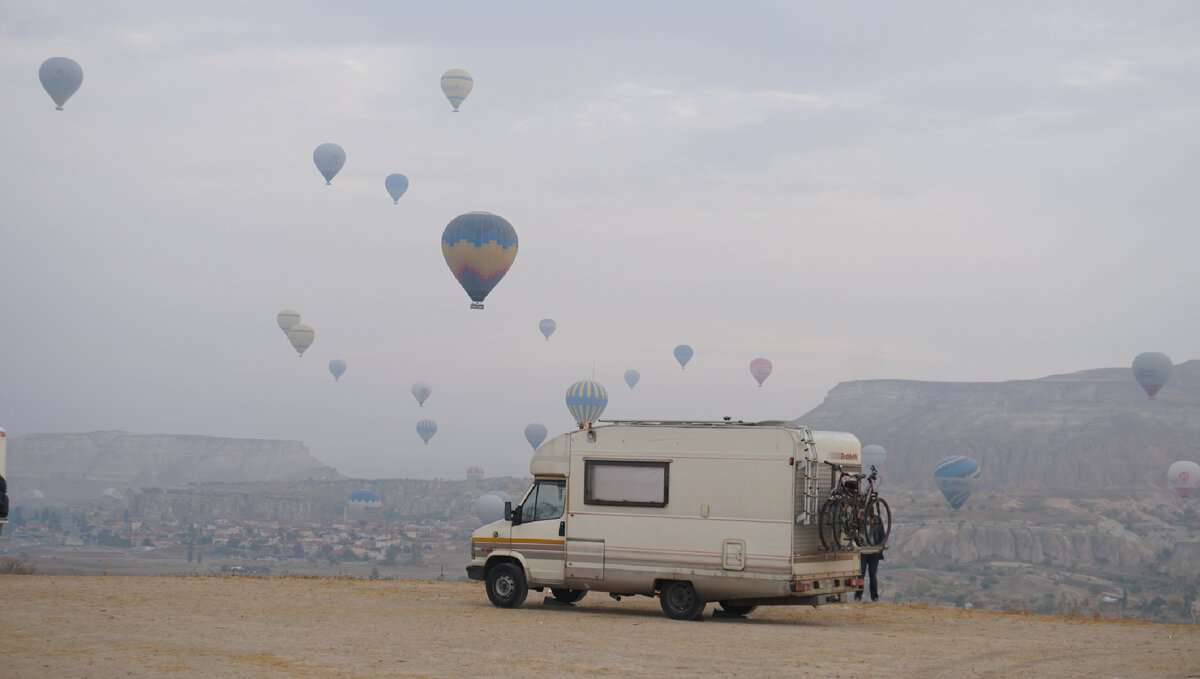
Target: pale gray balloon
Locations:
point(329, 159)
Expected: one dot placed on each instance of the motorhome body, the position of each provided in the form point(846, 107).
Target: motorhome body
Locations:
point(689, 511)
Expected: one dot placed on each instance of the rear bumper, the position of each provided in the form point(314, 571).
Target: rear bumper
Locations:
point(475, 572)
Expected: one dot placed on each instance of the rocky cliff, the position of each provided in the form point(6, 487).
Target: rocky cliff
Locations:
point(80, 466)
point(1090, 429)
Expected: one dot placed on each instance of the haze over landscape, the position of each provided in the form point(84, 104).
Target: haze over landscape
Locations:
point(932, 192)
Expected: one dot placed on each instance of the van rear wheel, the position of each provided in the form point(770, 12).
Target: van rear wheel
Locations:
point(568, 596)
point(679, 601)
point(506, 586)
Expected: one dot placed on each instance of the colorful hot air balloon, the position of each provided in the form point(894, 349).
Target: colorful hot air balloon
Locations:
point(396, 185)
point(287, 319)
point(489, 508)
point(760, 368)
point(456, 85)
point(547, 326)
point(683, 354)
point(479, 248)
point(426, 429)
point(363, 504)
point(61, 77)
point(1184, 477)
point(337, 366)
point(301, 336)
point(421, 391)
point(329, 159)
point(1152, 370)
point(631, 378)
point(586, 400)
point(873, 454)
point(957, 477)
point(535, 433)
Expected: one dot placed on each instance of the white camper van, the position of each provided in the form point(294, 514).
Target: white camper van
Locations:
point(690, 512)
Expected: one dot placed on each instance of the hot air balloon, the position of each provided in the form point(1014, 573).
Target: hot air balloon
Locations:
point(683, 354)
point(479, 248)
point(287, 319)
point(329, 159)
point(1152, 370)
point(474, 473)
point(631, 378)
point(586, 400)
point(535, 433)
point(957, 477)
point(456, 85)
point(426, 429)
point(337, 366)
point(760, 368)
point(363, 504)
point(489, 508)
point(61, 77)
point(1184, 477)
point(396, 185)
point(873, 454)
point(301, 336)
point(421, 391)
point(547, 326)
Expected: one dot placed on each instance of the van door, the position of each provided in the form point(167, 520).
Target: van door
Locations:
point(539, 535)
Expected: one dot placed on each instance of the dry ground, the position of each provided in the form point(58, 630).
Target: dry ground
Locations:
point(214, 627)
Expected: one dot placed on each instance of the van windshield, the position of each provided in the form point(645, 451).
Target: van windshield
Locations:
point(546, 500)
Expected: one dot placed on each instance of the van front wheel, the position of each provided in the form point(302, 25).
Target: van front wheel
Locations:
point(679, 601)
point(506, 586)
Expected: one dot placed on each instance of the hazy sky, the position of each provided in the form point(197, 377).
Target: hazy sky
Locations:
point(932, 191)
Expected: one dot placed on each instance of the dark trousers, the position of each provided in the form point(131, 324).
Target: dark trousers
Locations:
point(869, 563)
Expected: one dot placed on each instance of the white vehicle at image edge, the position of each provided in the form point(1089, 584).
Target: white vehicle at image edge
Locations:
point(690, 512)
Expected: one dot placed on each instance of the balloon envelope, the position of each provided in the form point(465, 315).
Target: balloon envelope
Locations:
point(489, 508)
point(535, 433)
point(872, 454)
point(329, 159)
point(456, 85)
point(957, 477)
point(396, 185)
point(61, 77)
point(479, 248)
point(421, 391)
point(760, 368)
point(683, 354)
point(301, 336)
point(1152, 370)
point(586, 399)
point(632, 377)
point(426, 429)
point(337, 366)
point(287, 319)
point(1184, 477)
point(547, 326)
point(363, 503)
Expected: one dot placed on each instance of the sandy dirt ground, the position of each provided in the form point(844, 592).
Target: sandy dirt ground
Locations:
point(214, 627)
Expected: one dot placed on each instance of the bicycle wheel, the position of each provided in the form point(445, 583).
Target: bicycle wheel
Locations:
point(825, 523)
point(879, 523)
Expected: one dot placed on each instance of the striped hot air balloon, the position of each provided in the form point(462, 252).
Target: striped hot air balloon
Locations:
point(957, 477)
point(287, 319)
point(479, 248)
point(421, 391)
point(301, 336)
point(586, 399)
point(456, 85)
point(426, 429)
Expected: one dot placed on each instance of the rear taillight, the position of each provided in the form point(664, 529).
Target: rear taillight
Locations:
point(801, 586)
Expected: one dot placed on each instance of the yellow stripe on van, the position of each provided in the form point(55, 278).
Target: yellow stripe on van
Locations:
point(519, 541)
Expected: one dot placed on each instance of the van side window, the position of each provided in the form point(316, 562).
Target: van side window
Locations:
point(546, 500)
point(631, 483)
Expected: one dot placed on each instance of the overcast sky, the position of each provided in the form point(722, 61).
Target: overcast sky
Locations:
point(930, 191)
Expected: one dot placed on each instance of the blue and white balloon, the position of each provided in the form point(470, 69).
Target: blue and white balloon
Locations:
point(586, 399)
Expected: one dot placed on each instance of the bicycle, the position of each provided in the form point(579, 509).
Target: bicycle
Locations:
point(850, 517)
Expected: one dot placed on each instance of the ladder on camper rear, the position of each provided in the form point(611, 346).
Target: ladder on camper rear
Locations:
point(807, 471)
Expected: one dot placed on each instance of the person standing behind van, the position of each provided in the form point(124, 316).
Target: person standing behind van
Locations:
point(869, 565)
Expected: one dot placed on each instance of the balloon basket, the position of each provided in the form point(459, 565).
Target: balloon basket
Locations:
point(58, 108)
point(476, 305)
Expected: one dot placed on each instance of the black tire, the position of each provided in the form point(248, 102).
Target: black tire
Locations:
point(737, 609)
point(568, 596)
point(679, 601)
point(506, 586)
point(832, 525)
point(879, 522)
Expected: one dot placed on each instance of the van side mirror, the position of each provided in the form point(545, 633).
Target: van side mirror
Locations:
point(508, 510)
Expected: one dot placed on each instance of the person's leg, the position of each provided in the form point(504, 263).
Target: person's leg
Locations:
point(874, 568)
point(862, 572)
